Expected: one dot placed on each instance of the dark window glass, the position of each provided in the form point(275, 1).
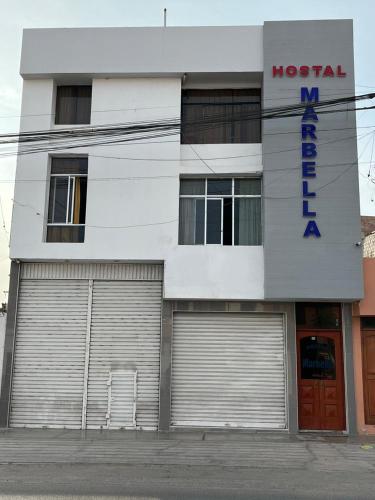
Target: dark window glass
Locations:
point(318, 359)
point(368, 322)
point(317, 315)
point(69, 166)
point(222, 213)
point(227, 221)
point(247, 186)
point(247, 221)
point(67, 200)
point(213, 222)
point(79, 215)
point(73, 104)
point(199, 222)
point(58, 199)
point(219, 116)
point(191, 221)
point(65, 234)
point(219, 186)
point(192, 186)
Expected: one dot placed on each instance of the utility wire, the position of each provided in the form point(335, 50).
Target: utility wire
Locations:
point(166, 124)
point(203, 160)
point(115, 110)
point(51, 147)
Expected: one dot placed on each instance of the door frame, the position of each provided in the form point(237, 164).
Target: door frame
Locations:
point(340, 361)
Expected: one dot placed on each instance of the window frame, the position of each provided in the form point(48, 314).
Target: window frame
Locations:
point(253, 91)
point(69, 197)
point(56, 114)
point(233, 197)
point(70, 207)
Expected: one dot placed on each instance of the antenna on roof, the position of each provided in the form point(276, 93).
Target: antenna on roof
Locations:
point(165, 18)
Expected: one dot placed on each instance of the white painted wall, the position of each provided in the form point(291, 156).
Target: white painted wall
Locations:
point(127, 189)
point(141, 51)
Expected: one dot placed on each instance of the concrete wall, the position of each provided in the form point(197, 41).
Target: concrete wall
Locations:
point(310, 268)
point(140, 51)
point(132, 202)
point(132, 206)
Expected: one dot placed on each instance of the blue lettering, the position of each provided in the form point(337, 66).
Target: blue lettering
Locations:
point(308, 169)
point(306, 192)
point(310, 115)
point(311, 230)
point(306, 212)
point(309, 150)
point(308, 130)
point(313, 95)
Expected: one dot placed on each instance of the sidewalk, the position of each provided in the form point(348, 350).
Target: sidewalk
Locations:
point(226, 449)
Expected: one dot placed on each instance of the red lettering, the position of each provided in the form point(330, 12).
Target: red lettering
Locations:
point(277, 71)
point(325, 71)
point(291, 71)
point(340, 72)
point(317, 70)
point(328, 71)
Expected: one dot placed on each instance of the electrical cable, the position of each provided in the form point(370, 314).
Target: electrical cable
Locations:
point(134, 127)
point(282, 169)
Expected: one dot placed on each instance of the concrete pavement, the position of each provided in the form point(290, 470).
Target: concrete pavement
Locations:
point(57, 463)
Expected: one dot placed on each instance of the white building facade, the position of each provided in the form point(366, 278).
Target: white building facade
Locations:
point(156, 278)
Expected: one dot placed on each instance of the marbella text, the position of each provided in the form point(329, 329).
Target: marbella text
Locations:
point(308, 134)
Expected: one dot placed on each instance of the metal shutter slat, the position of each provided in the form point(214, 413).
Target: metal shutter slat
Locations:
point(125, 334)
point(228, 370)
point(49, 357)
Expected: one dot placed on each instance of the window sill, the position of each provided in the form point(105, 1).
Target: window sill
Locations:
point(70, 125)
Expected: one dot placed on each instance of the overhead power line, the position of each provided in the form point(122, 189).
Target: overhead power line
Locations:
point(342, 91)
point(69, 138)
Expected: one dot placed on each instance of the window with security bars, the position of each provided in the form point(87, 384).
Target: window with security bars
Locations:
point(220, 116)
point(220, 211)
point(67, 200)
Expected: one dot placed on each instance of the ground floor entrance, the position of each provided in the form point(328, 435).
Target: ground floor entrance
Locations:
point(321, 404)
point(87, 347)
point(96, 346)
point(228, 370)
point(320, 367)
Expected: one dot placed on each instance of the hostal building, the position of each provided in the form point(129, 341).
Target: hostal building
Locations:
point(200, 278)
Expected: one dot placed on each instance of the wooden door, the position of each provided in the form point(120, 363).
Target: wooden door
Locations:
point(321, 402)
point(368, 354)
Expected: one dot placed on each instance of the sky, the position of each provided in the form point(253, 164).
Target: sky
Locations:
point(19, 14)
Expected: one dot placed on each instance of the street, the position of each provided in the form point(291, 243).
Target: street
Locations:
point(70, 464)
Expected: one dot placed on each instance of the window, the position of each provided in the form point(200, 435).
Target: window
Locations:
point(67, 200)
point(221, 116)
point(220, 211)
point(368, 322)
point(318, 358)
point(318, 315)
point(73, 104)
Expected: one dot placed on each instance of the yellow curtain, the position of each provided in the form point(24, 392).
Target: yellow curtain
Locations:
point(77, 200)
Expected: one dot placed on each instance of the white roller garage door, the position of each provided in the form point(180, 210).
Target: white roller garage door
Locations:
point(125, 335)
point(228, 370)
point(49, 359)
point(75, 332)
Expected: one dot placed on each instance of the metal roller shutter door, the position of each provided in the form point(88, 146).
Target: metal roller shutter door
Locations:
point(125, 335)
point(228, 370)
point(48, 371)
